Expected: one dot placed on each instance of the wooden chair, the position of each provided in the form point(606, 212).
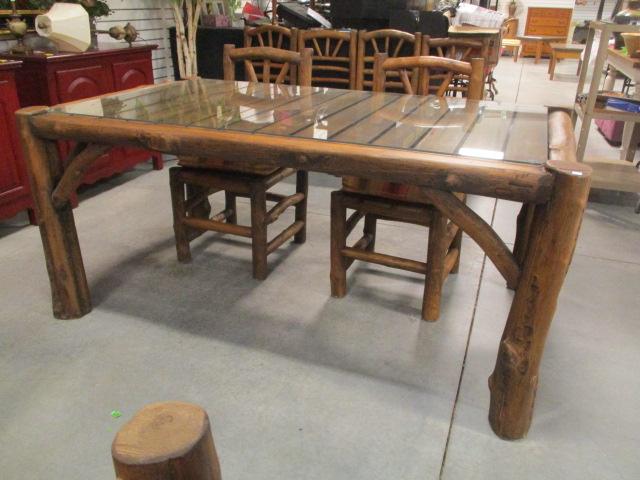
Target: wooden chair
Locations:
point(373, 200)
point(394, 43)
point(509, 40)
point(191, 187)
point(455, 49)
point(334, 56)
point(274, 36)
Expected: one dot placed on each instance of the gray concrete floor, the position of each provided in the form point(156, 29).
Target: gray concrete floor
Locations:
point(300, 385)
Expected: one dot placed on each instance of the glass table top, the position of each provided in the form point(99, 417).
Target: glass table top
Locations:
point(484, 130)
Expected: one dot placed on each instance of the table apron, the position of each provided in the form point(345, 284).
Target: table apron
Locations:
point(510, 181)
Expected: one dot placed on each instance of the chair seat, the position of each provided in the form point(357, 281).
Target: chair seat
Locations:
point(380, 188)
point(390, 190)
point(511, 42)
point(225, 165)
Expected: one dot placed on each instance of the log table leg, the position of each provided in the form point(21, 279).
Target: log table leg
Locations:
point(166, 441)
point(552, 240)
point(69, 288)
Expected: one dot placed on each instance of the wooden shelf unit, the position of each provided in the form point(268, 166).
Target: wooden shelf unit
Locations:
point(588, 111)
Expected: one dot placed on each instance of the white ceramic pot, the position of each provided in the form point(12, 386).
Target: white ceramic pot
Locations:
point(67, 25)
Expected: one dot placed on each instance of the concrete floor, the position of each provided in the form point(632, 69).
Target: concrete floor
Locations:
point(299, 385)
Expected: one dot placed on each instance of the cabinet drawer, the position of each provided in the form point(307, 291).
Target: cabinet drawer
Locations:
point(133, 73)
point(79, 83)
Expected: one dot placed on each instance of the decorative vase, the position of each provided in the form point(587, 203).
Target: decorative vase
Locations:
point(513, 6)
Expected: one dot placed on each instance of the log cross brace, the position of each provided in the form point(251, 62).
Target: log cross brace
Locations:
point(479, 230)
point(81, 157)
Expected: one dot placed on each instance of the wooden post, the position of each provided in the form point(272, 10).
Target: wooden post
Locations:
point(338, 272)
point(69, 288)
point(166, 441)
point(552, 241)
point(179, 214)
point(231, 205)
point(302, 186)
point(370, 223)
point(379, 75)
point(435, 275)
point(259, 230)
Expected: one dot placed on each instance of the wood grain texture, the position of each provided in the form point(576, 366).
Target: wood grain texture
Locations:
point(166, 441)
point(69, 288)
point(511, 181)
point(551, 243)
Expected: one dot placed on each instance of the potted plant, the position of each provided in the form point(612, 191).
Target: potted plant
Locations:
point(232, 7)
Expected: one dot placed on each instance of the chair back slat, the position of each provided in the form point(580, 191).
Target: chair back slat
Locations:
point(274, 36)
point(269, 58)
point(456, 49)
point(446, 70)
point(334, 54)
point(394, 43)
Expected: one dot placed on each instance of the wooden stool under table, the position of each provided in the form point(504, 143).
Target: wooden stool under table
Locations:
point(560, 51)
point(539, 41)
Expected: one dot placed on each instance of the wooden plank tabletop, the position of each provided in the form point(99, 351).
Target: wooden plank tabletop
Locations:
point(481, 130)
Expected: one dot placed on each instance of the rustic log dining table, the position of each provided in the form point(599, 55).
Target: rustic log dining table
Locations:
point(523, 154)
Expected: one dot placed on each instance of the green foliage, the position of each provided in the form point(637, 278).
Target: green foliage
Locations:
point(233, 5)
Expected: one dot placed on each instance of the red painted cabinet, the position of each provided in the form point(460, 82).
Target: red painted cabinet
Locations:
point(14, 184)
point(53, 79)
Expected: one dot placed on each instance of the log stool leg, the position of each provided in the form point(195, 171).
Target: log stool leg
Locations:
point(552, 241)
point(179, 213)
point(166, 441)
point(338, 242)
point(434, 278)
point(230, 204)
point(302, 186)
point(370, 222)
point(259, 230)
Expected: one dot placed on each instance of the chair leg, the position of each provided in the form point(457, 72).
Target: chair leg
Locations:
point(178, 206)
point(259, 230)
point(437, 250)
point(230, 204)
point(203, 209)
point(370, 230)
point(457, 243)
point(338, 274)
point(302, 186)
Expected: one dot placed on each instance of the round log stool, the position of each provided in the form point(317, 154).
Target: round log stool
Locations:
point(166, 441)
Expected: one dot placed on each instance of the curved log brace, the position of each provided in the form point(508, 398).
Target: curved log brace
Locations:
point(471, 223)
point(81, 158)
